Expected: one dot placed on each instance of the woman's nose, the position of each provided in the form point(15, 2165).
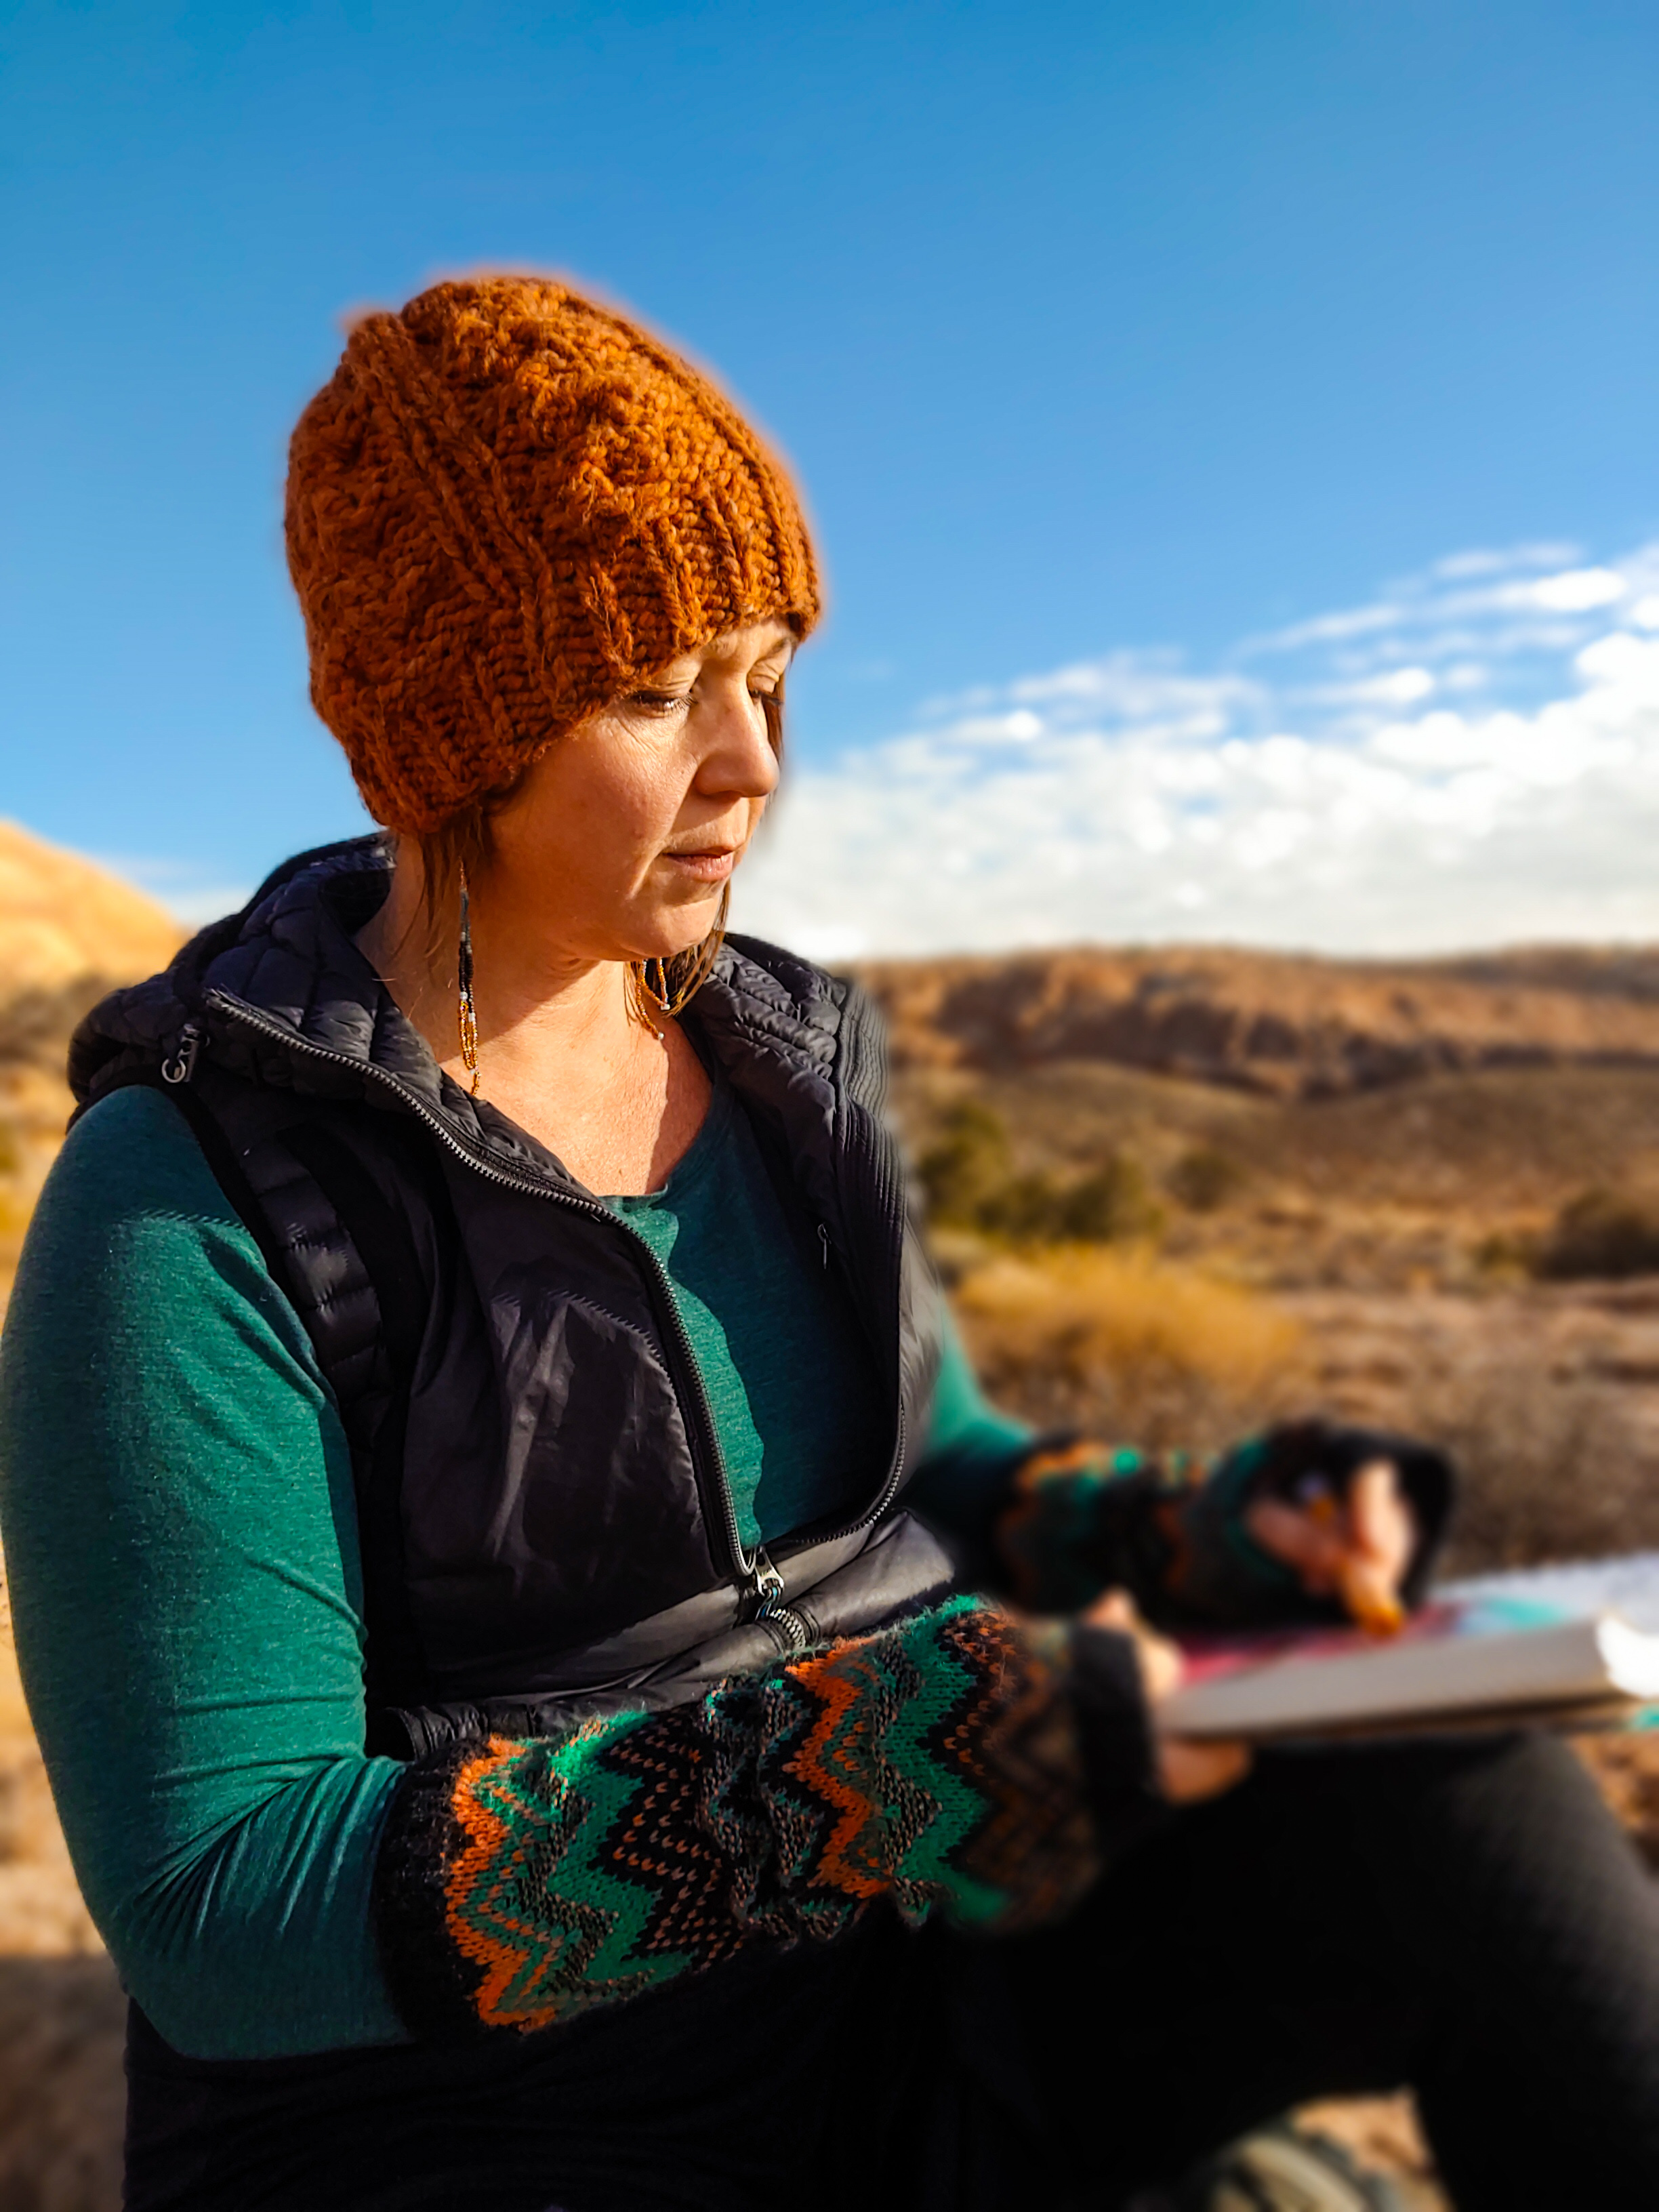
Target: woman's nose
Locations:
point(739, 758)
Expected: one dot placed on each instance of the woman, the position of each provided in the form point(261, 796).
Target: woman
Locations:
point(480, 1444)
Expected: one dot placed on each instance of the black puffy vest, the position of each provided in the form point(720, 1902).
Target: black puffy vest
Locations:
point(546, 1526)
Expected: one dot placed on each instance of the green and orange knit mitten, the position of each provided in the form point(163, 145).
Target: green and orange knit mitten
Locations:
point(946, 1764)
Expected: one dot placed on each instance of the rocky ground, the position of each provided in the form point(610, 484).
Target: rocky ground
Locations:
point(62, 2014)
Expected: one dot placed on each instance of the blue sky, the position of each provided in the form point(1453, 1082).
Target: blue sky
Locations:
point(1106, 338)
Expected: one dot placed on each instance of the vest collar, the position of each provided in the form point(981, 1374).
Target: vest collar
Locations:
point(281, 992)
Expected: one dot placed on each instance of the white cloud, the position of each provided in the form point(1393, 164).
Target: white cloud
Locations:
point(1394, 687)
point(1573, 592)
point(1486, 561)
point(1324, 629)
point(1462, 762)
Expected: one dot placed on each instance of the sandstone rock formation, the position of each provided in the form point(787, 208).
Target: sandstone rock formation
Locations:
point(1285, 1023)
point(62, 918)
point(69, 930)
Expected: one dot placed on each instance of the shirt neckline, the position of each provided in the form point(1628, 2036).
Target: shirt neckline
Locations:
point(692, 1164)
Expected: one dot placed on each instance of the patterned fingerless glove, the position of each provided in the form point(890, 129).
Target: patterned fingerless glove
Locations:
point(1217, 1572)
point(937, 1764)
point(1083, 1517)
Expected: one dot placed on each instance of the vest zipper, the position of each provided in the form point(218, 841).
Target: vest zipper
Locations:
point(891, 1206)
point(182, 1065)
point(792, 1629)
point(764, 1582)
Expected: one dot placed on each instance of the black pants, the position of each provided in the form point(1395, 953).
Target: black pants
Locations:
point(1464, 1919)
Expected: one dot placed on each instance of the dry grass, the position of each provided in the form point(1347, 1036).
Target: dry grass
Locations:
point(1124, 1344)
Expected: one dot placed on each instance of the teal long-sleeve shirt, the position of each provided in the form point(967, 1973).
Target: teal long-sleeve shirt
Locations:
point(181, 1546)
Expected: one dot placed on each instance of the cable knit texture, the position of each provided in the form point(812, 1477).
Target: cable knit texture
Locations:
point(521, 1882)
point(507, 505)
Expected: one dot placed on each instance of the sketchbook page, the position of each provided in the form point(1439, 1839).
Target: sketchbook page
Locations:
point(1628, 1586)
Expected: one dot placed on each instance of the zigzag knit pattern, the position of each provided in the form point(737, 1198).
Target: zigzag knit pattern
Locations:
point(1174, 1531)
point(521, 1882)
point(1083, 1516)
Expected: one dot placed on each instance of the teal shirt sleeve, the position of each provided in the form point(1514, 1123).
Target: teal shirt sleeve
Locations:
point(972, 1452)
point(181, 1541)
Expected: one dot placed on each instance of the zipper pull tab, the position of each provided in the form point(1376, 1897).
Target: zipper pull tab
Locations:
point(792, 1631)
point(768, 1584)
point(182, 1065)
point(824, 1245)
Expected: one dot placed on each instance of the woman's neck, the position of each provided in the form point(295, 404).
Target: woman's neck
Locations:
point(559, 1051)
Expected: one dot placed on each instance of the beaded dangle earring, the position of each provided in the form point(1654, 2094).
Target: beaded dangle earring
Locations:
point(656, 995)
point(465, 1014)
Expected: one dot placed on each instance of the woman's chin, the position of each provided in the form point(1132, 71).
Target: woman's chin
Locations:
point(682, 929)
point(671, 944)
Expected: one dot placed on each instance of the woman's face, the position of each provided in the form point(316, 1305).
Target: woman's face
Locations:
point(626, 831)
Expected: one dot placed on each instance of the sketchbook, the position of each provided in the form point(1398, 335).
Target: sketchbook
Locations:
point(1574, 1646)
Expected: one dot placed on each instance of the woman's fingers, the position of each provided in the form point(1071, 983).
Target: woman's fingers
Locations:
point(1358, 1551)
point(1313, 1543)
point(1186, 1771)
point(1161, 1664)
point(1380, 1517)
point(1381, 1537)
point(1115, 1608)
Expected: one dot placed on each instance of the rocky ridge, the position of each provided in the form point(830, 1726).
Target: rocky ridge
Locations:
point(1292, 1025)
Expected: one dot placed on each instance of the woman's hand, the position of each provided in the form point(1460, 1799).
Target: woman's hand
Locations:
point(1357, 1548)
point(1187, 1772)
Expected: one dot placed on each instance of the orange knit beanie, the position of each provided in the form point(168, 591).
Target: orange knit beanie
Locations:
point(508, 506)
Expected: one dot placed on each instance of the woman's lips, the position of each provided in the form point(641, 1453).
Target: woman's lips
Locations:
point(713, 866)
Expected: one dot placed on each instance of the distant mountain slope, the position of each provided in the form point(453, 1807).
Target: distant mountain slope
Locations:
point(1285, 1023)
point(1281, 1023)
point(69, 930)
point(62, 918)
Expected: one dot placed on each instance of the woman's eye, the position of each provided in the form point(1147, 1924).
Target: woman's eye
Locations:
point(658, 703)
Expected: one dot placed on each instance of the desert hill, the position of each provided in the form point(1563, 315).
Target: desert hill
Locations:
point(62, 918)
point(68, 930)
point(1287, 1024)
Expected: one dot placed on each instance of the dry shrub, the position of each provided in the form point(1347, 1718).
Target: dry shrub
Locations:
point(968, 1178)
point(1206, 1178)
point(1126, 1346)
point(1601, 1234)
point(13, 1221)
